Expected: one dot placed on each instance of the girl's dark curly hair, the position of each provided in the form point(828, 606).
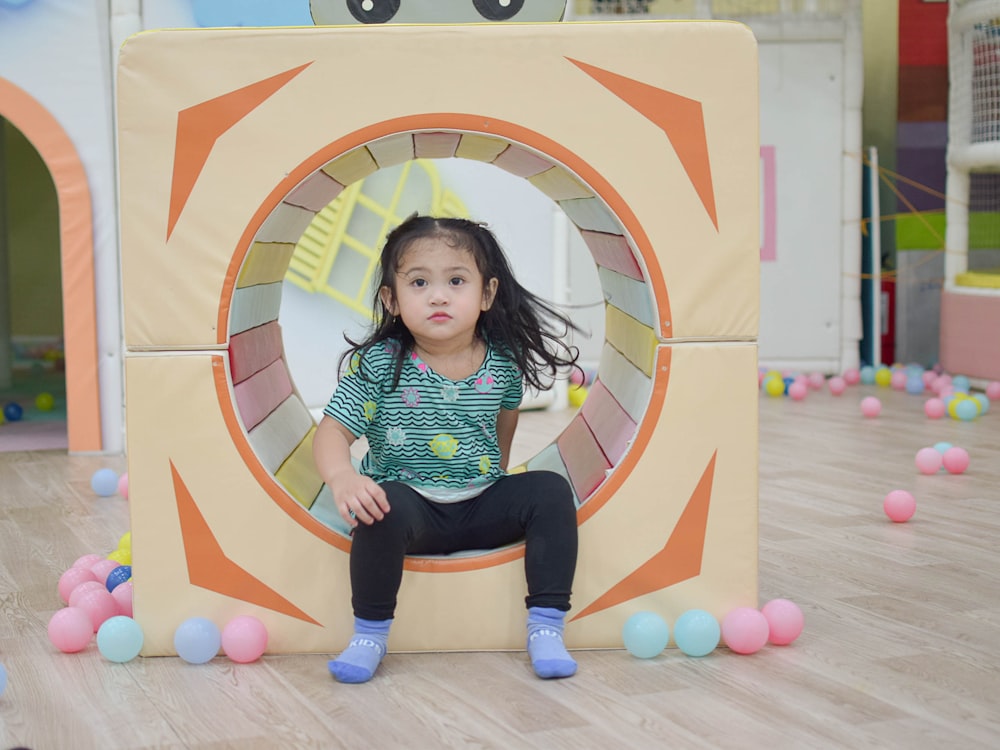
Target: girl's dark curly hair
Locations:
point(525, 327)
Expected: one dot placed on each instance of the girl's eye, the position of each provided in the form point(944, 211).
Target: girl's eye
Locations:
point(419, 282)
point(456, 281)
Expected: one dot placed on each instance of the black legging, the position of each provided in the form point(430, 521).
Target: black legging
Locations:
point(536, 506)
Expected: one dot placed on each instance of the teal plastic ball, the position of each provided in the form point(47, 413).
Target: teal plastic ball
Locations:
point(119, 639)
point(697, 632)
point(645, 634)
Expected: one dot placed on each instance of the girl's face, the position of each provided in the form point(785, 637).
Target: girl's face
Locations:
point(439, 292)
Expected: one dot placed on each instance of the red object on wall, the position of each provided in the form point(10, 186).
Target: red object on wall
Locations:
point(923, 33)
point(888, 338)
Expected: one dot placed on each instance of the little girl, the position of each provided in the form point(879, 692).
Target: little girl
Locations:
point(435, 388)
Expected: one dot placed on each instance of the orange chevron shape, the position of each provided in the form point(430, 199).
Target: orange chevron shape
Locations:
point(677, 116)
point(201, 125)
point(680, 558)
point(208, 566)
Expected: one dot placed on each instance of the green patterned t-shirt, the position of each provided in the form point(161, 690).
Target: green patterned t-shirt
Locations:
point(430, 431)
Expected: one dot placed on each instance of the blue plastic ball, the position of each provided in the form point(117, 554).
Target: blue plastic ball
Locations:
point(104, 482)
point(645, 634)
point(915, 385)
point(960, 383)
point(967, 409)
point(984, 402)
point(3, 678)
point(197, 640)
point(868, 375)
point(119, 639)
point(12, 411)
point(118, 576)
point(942, 447)
point(697, 632)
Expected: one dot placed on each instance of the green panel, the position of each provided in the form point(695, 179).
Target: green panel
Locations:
point(984, 230)
point(924, 231)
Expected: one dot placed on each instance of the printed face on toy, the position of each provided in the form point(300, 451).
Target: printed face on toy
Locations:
point(439, 292)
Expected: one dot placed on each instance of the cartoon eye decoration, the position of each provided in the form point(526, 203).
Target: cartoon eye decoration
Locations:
point(373, 11)
point(498, 10)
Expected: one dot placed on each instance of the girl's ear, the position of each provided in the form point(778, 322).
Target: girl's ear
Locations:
point(489, 293)
point(385, 294)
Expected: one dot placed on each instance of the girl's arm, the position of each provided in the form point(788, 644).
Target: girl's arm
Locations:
point(357, 497)
point(506, 424)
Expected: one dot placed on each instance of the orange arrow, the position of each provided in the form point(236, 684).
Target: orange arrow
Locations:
point(680, 558)
point(210, 568)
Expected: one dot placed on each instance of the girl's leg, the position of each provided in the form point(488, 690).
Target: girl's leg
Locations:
point(538, 507)
point(376, 565)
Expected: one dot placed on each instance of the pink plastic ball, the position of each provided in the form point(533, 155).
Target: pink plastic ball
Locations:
point(955, 460)
point(899, 505)
point(87, 561)
point(993, 390)
point(745, 630)
point(123, 596)
point(837, 385)
point(797, 391)
point(898, 380)
point(934, 408)
point(99, 606)
point(928, 376)
point(244, 639)
point(123, 485)
point(871, 407)
point(70, 630)
point(816, 380)
point(852, 376)
point(928, 460)
point(784, 621)
point(103, 568)
point(71, 579)
point(75, 594)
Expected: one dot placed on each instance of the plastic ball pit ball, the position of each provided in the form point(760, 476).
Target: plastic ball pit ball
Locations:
point(883, 377)
point(993, 390)
point(774, 386)
point(197, 640)
point(71, 579)
point(871, 407)
point(3, 679)
point(12, 411)
point(79, 591)
point(955, 460)
point(816, 381)
point(123, 596)
point(70, 630)
point(118, 576)
point(798, 391)
point(899, 505)
point(104, 482)
point(837, 385)
point(967, 409)
point(784, 621)
point(119, 639)
point(99, 606)
point(87, 561)
point(645, 634)
point(745, 630)
point(934, 408)
point(44, 402)
point(123, 485)
point(852, 376)
point(928, 461)
point(244, 639)
point(697, 632)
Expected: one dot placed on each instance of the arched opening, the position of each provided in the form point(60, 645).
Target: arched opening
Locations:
point(76, 242)
point(277, 423)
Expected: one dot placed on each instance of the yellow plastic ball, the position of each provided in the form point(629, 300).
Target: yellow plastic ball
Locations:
point(121, 556)
point(774, 386)
point(45, 402)
point(577, 394)
point(883, 376)
point(126, 541)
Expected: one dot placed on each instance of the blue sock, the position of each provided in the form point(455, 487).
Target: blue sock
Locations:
point(358, 662)
point(549, 656)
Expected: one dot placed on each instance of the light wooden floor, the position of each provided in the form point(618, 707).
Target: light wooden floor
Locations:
point(899, 651)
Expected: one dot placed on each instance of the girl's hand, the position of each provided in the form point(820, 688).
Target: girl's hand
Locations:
point(358, 498)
